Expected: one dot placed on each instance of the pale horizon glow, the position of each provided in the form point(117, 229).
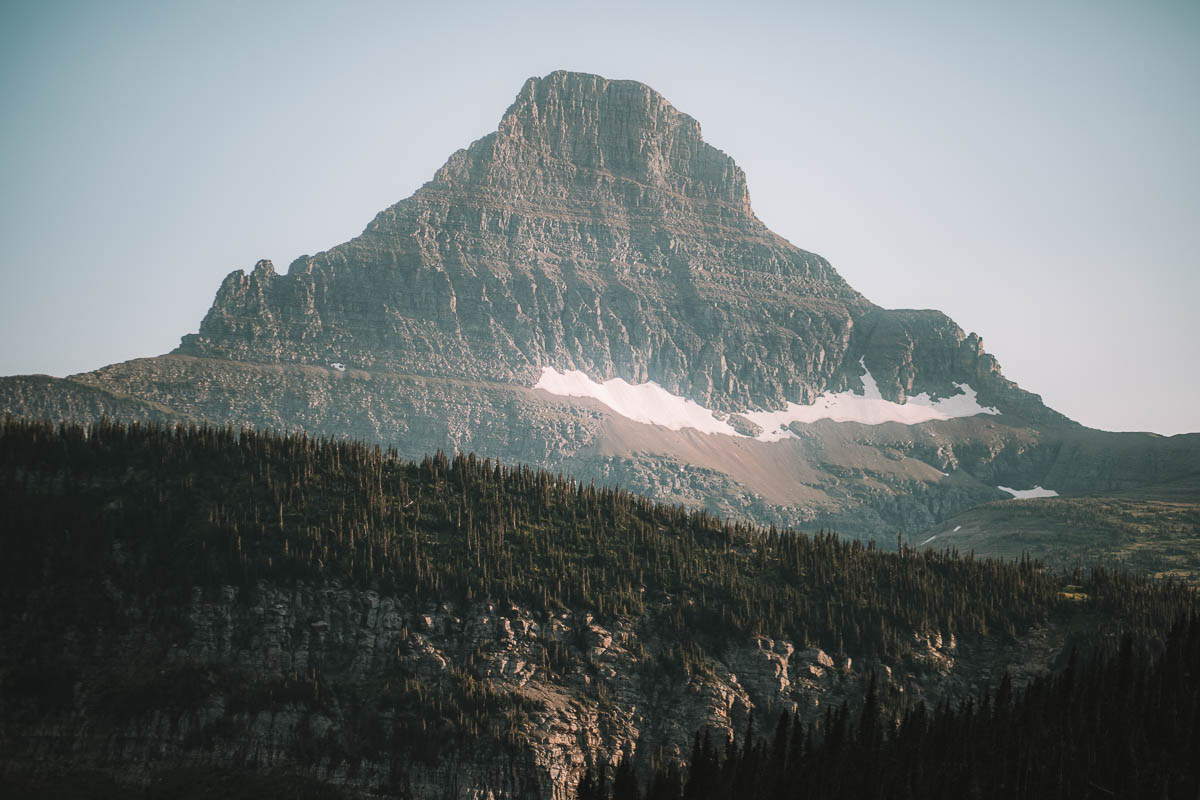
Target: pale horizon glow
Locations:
point(1027, 168)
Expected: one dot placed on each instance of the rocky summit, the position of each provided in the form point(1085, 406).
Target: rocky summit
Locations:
point(597, 239)
point(594, 230)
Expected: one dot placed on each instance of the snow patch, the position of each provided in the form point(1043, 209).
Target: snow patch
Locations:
point(868, 408)
point(654, 405)
point(927, 541)
point(643, 402)
point(1029, 494)
point(957, 528)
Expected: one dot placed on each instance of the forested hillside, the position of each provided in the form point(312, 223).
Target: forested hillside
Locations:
point(1120, 722)
point(176, 584)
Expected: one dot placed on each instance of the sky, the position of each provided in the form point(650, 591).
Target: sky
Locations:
point(1029, 168)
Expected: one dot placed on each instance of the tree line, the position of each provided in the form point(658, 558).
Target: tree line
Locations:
point(170, 508)
point(103, 523)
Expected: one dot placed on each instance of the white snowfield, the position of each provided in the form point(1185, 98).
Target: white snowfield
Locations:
point(642, 402)
point(869, 408)
point(1029, 494)
point(652, 404)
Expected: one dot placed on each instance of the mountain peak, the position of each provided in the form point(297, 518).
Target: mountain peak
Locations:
point(592, 130)
point(566, 99)
point(595, 230)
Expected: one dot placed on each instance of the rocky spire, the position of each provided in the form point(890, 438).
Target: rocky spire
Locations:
point(620, 128)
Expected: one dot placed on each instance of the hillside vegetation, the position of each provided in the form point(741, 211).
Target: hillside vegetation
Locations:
point(1152, 529)
point(125, 545)
point(204, 506)
point(1122, 722)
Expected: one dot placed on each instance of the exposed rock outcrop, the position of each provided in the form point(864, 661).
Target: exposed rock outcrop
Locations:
point(314, 681)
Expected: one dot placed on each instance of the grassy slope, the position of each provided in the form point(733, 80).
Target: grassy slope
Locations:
point(1154, 529)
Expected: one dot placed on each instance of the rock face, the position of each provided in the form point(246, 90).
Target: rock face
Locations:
point(306, 680)
point(595, 230)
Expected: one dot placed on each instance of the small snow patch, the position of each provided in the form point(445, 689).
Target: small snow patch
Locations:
point(927, 541)
point(957, 528)
point(643, 402)
point(1029, 494)
point(868, 408)
point(654, 405)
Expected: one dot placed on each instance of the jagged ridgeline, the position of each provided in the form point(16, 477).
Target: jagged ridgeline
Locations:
point(194, 601)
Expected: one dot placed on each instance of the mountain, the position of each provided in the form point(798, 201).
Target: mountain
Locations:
point(588, 290)
point(594, 230)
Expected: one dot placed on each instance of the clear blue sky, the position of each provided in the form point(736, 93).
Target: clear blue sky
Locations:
point(1030, 168)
